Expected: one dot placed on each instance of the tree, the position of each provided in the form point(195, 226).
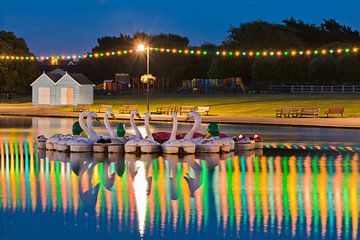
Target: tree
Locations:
point(15, 76)
point(260, 35)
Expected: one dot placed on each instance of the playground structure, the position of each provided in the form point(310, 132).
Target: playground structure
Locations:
point(124, 84)
point(206, 86)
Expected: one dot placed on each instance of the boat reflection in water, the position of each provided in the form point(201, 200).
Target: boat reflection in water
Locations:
point(276, 195)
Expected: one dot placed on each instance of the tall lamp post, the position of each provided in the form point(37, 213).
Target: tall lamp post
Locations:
point(142, 48)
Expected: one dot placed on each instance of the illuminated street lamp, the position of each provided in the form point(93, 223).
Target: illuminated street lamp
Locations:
point(149, 78)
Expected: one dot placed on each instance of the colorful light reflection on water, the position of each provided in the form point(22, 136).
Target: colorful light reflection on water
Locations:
point(277, 195)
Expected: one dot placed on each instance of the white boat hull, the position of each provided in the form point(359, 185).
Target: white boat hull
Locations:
point(99, 148)
point(49, 146)
point(177, 150)
point(115, 148)
point(63, 147)
point(245, 146)
point(81, 148)
point(203, 148)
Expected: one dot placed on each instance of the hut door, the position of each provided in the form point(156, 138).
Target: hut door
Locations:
point(44, 95)
point(67, 96)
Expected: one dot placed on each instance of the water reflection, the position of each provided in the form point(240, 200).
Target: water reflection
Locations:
point(217, 196)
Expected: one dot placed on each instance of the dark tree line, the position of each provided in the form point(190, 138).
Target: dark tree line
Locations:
point(15, 76)
point(257, 72)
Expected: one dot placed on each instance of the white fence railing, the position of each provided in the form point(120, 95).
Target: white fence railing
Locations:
point(315, 88)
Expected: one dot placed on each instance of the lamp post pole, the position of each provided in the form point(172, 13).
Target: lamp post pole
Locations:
point(147, 72)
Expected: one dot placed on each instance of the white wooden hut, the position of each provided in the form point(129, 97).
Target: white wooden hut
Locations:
point(60, 88)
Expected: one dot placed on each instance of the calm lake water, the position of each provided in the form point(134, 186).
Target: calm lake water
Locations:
point(277, 194)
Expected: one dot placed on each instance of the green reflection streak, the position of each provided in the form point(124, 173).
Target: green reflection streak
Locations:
point(257, 191)
point(299, 188)
point(345, 193)
point(168, 192)
point(243, 188)
point(113, 190)
point(330, 194)
point(314, 192)
point(230, 194)
point(58, 185)
point(205, 187)
point(285, 169)
point(270, 164)
point(156, 192)
point(102, 189)
point(180, 196)
point(215, 186)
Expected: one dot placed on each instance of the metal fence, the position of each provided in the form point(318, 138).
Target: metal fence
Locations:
point(315, 88)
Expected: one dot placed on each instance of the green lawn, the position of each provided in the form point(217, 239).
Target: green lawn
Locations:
point(257, 105)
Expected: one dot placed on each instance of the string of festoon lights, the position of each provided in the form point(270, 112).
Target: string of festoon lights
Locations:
point(197, 52)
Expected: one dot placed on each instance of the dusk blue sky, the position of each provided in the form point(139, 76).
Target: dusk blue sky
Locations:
point(72, 26)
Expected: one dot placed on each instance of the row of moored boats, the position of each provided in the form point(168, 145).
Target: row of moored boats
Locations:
point(166, 142)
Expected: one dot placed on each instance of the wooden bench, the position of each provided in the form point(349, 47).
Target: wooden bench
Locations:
point(81, 108)
point(104, 108)
point(288, 112)
point(335, 111)
point(166, 109)
point(314, 112)
point(127, 108)
point(203, 110)
point(186, 109)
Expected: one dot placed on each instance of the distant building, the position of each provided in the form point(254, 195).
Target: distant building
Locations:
point(60, 88)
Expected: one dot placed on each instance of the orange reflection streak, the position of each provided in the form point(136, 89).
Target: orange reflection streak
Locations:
point(75, 192)
point(162, 192)
point(186, 196)
point(236, 189)
point(264, 191)
point(307, 194)
point(322, 189)
point(292, 189)
point(250, 190)
point(278, 191)
point(119, 198)
point(32, 175)
point(96, 180)
point(42, 182)
point(338, 195)
point(198, 195)
point(354, 204)
point(63, 187)
point(12, 204)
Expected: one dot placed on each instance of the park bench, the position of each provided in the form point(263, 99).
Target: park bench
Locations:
point(127, 108)
point(186, 109)
point(314, 112)
point(166, 109)
point(335, 111)
point(81, 108)
point(204, 109)
point(288, 112)
point(104, 108)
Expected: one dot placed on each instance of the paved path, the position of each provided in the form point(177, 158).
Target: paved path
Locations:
point(315, 122)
